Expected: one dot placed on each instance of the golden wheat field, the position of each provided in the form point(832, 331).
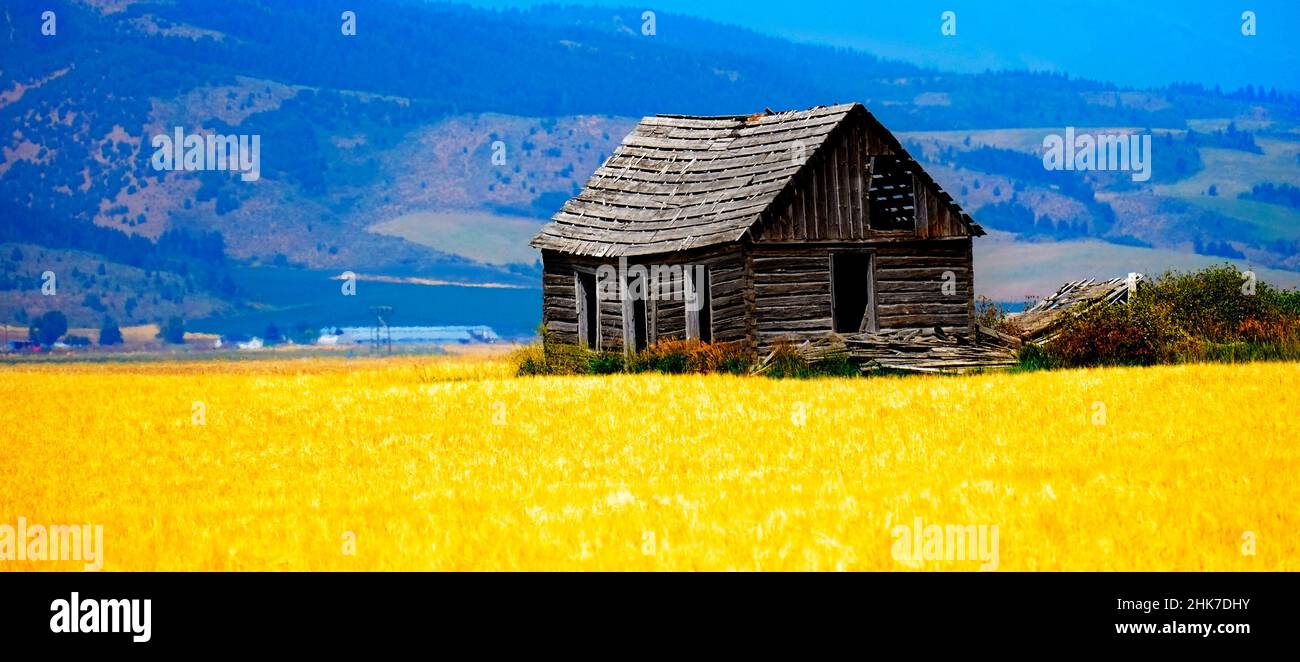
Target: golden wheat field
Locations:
point(454, 464)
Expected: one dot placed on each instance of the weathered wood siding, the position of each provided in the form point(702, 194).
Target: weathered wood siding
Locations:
point(727, 296)
point(830, 199)
point(791, 291)
point(666, 318)
point(792, 287)
point(910, 285)
point(559, 294)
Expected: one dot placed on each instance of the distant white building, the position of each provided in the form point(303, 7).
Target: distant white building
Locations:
point(330, 339)
point(431, 335)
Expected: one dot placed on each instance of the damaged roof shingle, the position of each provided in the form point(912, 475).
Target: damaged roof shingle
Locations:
point(678, 182)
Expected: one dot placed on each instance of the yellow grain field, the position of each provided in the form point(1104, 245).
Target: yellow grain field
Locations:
point(454, 464)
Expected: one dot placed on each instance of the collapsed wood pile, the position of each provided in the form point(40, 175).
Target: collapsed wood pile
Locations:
point(933, 350)
point(926, 350)
point(917, 350)
point(825, 348)
point(1040, 323)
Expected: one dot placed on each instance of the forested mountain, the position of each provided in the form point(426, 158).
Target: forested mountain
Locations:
point(377, 147)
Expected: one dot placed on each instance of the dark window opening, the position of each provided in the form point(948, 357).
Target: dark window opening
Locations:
point(893, 205)
point(588, 311)
point(699, 304)
point(639, 319)
point(851, 292)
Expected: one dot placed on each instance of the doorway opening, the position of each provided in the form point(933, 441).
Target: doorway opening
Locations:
point(588, 310)
point(853, 292)
point(637, 337)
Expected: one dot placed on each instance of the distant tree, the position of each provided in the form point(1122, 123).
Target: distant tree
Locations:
point(303, 334)
point(173, 330)
point(272, 335)
point(109, 333)
point(226, 202)
point(1281, 194)
point(93, 302)
point(47, 328)
point(1213, 192)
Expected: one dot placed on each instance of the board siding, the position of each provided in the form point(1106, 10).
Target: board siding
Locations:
point(666, 316)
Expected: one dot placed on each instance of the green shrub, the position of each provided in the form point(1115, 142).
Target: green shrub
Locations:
point(551, 357)
point(1210, 303)
point(671, 358)
point(1199, 316)
point(1033, 357)
point(739, 364)
point(529, 360)
point(606, 363)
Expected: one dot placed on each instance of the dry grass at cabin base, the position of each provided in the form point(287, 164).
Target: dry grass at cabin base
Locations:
point(455, 464)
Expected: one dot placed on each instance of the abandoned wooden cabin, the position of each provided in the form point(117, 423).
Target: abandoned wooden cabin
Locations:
point(756, 227)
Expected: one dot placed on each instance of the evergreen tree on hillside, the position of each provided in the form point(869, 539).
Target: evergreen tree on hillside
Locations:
point(173, 331)
point(109, 333)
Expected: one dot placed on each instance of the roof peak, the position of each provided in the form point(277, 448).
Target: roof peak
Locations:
point(766, 112)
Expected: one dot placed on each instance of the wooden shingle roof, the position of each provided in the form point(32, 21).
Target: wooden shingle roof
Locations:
point(679, 182)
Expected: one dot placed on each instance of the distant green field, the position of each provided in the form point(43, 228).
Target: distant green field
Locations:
point(1271, 221)
point(1230, 172)
point(1233, 172)
point(477, 235)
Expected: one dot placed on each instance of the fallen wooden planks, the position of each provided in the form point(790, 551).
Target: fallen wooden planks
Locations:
point(925, 351)
point(827, 347)
point(1040, 322)
point(918, 350)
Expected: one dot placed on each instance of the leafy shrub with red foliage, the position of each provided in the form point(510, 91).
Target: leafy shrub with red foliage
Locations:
point(1136, 334)
point(680, 356)
point(552, 357)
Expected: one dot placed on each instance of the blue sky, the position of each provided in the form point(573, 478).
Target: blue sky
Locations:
point(1130, 42)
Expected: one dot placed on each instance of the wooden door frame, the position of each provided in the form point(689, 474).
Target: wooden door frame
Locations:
point(581, 301)
point(870, 314)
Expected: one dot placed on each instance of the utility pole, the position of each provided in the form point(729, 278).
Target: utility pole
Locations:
point(380, 332)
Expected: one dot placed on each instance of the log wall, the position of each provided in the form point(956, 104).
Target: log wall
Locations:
point(791, 287)
point(913, 292)
point(666, 317)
